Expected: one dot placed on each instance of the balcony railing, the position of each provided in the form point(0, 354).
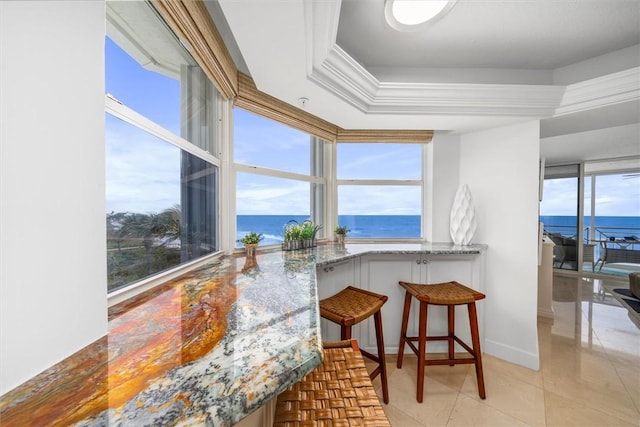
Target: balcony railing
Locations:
point(611, 250)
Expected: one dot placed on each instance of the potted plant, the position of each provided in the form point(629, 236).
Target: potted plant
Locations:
point(292, 236)
point(251, 241)
point(308, 233)
point(300, 236)
point(341, 232)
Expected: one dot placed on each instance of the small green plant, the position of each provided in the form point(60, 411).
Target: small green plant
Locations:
point(300, 236)
point(341, 229)
point(252, 238)
point(309, 230)
point(292, 231)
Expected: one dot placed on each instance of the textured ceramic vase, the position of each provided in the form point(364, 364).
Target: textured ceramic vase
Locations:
point(462, 222)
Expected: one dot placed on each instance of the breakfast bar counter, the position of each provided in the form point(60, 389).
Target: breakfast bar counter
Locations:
point(207, 348)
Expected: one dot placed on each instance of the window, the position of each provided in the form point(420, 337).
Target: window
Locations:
point(605, 226)
point(380, 189)
point(262, 142)
point(161, 148)
point(280, 176)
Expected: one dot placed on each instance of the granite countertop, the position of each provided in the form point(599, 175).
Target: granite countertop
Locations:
point(207, 348)
point(327, 254)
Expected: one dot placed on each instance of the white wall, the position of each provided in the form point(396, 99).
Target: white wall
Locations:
point(501, 168)
point(442, 168)
point(52, 219)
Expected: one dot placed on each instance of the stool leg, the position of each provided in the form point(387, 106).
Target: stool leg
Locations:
point(345, 333)
point(475, 339)
point(377, 317)
point(403, 329)
point(422, 349)
point(451, 312)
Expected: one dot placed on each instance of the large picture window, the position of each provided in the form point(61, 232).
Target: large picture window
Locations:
point(280, 177)
point(380, 189)
point(161, 149)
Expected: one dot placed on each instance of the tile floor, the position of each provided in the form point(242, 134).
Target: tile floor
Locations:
point(589, 376)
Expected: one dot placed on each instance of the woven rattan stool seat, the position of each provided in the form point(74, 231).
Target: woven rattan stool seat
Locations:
point(442, 293)
point(351, 306)
point(337, 393)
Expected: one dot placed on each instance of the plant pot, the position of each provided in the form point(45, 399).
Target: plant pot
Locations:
point(340, 238)
point(250, 249)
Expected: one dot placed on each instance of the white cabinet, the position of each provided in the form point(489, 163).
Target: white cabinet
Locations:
point(381, 274)
point(331, 279)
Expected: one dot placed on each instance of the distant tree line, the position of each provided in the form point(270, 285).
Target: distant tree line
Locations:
point(141, 244)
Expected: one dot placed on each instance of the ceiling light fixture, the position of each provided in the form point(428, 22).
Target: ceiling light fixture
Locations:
point(412, 15)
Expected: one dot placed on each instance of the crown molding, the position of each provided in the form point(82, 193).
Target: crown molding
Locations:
point(340, 74)
point(333, 69)
point(614, 88)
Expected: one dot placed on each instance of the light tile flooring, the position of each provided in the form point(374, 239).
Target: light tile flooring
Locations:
point(589, 376)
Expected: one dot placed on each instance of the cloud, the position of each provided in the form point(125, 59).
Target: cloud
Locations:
point(379, 161)
point(379, 200)
point(263, 195)
point(142, 171)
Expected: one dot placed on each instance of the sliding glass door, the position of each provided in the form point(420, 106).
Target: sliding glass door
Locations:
point(593, 216)
point(559, 210)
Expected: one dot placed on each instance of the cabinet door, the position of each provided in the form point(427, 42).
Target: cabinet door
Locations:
point(332, 279)
point(381, 274)
point(464, 269)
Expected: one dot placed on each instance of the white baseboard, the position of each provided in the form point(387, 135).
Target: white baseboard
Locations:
point(512, 354)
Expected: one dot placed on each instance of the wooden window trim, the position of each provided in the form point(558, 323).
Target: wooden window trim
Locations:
point(251, 99)
point(384, 135)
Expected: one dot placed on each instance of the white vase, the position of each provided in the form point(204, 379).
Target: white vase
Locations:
point(462, 222)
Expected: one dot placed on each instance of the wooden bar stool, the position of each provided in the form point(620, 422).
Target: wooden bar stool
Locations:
point(339, 392)
point(449, 294)
point(351, 306)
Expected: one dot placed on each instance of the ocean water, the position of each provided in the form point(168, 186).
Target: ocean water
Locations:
point(408, 226)
point(617, 226)
point(361, 226)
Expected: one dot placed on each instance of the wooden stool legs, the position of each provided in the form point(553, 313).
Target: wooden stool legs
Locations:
point(475, 342)
point(451, 339)
point(381, 369)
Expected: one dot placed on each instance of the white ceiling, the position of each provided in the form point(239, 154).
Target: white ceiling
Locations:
point(504, 34)
point(573, 64)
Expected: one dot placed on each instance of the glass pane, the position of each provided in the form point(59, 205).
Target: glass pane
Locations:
point(380, 211)
point(559, 214)
point(262, 142)
point(379, 161)
point(151, 94)
point(616, 223)
point(266, 204)
point(160, 201)
point(149, 71)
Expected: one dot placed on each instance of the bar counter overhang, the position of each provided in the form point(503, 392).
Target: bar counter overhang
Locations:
point(207, 348)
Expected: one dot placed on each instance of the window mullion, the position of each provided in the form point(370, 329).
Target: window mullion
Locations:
point(277, 173)
point(378, 182)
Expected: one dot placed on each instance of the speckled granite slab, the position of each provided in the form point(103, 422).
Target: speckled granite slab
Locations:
point(205, 349)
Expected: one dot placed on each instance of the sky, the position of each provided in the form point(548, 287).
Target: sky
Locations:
point(143, 171)
point(616, 195)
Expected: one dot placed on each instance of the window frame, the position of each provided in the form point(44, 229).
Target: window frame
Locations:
point(126, 114)
point(381, 182)
point(317, 208)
